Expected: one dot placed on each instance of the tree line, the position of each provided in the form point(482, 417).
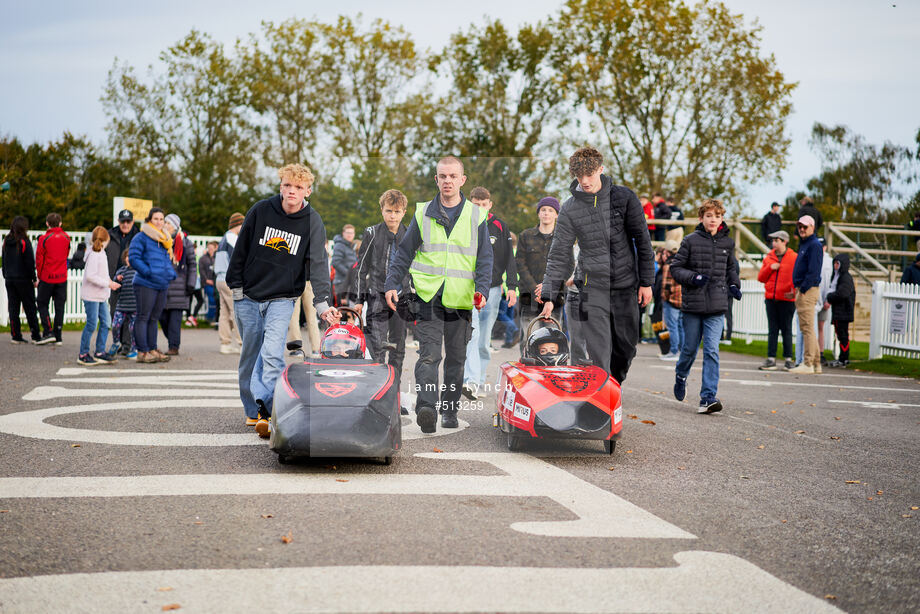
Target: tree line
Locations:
point(680, 98)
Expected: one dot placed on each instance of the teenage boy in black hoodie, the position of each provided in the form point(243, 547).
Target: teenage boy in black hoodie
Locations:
point(281, 246)
point(841, 297)
point(377, 248)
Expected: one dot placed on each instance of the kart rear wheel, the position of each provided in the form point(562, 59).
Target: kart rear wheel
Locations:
point(385, 460)
point(515, 442)
point(610, 445)
point(284, 459)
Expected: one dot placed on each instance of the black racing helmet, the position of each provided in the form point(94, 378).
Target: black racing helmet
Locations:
point(548, 347)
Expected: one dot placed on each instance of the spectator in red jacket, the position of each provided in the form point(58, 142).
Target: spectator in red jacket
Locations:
point(779, 298)
point(51, 254)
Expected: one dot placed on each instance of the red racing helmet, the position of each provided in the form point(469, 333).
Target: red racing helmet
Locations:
point(343, 341)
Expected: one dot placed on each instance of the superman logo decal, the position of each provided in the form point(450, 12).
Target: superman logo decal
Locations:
point(334, 390)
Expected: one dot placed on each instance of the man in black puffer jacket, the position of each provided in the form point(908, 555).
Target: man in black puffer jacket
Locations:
point(706, 269)
point(615, 260)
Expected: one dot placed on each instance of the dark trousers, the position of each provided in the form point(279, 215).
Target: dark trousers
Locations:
point(22, 294)
point(46, 293)
point(843, 338)
point(197, 299)
point(150, 305)
point(385, 326)
point(437, 325)
point(171, 323)
point(779, 318)
point(611, 328)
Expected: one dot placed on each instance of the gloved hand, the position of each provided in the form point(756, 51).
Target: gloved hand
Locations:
point(735, 291)
point(699, 280)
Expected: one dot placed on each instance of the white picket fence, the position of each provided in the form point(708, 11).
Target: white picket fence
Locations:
point(895, 320)
point(749, 317)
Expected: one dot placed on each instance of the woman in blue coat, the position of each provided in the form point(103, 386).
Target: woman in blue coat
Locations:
point(151, 255)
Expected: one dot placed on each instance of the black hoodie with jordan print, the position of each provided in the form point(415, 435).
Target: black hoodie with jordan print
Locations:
point(277, 253)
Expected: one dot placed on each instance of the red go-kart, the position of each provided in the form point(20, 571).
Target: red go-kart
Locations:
point(543, 397)
point(340, 405)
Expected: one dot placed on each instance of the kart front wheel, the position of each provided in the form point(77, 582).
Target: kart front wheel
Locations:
point(515, 443)
point(284, 459)
point(610, 445)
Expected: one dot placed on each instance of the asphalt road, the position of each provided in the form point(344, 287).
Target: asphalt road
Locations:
point(138, 487)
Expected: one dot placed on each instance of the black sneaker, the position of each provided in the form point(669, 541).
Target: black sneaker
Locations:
point(789, 364)
point(427, 419)
point(507, 345)
point(680, 387)
point(449, 420)
point(469, 392)
point(768, 365)
point(709, 406)
point(103, 357)
point(86, 359)
point(45, 339)
point(18, 341)
point(263, 411)
point(403, 411)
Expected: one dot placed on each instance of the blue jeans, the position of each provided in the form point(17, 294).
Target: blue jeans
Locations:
point(477, 350)
point(263, 328)
point(708, 329)
point(95, 312)
point(507, 315)
point(675, 326)
point(212, 303)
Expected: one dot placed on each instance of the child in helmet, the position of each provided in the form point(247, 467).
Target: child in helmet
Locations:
point(548, 347)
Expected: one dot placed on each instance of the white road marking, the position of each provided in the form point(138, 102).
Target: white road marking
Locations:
point(599, 513)
point(75, 371)
point(875, 404)
point(701, 582)
point(44, 393)
point(824, 375)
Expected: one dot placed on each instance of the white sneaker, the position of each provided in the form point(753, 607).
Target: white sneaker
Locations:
point(802, 368)
point(228, 349)
point(671, 357)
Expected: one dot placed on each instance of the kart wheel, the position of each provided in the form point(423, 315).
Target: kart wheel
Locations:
point(610, 445)
point(284, 459)
point(388, 460)
point(515, 443)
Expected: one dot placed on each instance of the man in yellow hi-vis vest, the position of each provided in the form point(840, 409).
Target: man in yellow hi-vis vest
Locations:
point(448, 254)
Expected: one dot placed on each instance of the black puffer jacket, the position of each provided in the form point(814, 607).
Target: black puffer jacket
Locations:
point(843, 298)
point(180, 289)
point(704, 254)
point(530, 259)
point(612, 233)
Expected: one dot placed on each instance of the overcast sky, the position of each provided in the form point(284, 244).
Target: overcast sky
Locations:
point(856, 61)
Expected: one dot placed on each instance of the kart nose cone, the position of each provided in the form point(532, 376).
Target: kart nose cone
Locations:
point(577, 419)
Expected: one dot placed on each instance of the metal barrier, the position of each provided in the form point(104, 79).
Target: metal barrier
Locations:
point(895, 327)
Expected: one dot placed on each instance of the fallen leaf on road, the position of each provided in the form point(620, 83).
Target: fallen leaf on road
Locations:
point(75, 445)
point(286, 539)
point(744, 477)
point(868, 498)
point(632, 416)
point(906, 516)
point(329, 467)
point(761, 447)
point(171, 606)
point(772, 411)
point(681, 468)
point(438, 450)
point(852, 482)
point(610, 468)
point(836, 417)
point(784, 521)
point(834, 437)
point(163, 589)
point(747, 438)
point(880, 492)
point(800, 432)
point(788, 402)
point(652, 422)
point(830, 596)
point(340, 480)
point(813, 405)
point(914, 507)
point(750, 413)
point(4, 511)
point(267, 516)
point(629, 451)
point(198, 522)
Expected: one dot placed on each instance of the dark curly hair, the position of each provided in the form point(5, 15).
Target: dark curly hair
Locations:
point(585, 161)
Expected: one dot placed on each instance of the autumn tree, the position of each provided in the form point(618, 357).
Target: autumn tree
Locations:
point(859, 181)
point(503, 100)
point(682, 98)
point(188, 127)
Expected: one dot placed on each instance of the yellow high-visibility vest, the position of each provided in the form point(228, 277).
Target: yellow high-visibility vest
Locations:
point(448, 260)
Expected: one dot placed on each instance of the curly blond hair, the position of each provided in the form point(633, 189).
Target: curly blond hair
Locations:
point(297, 172)
point(711, 204)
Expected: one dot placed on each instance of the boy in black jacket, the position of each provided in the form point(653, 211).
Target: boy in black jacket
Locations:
point(281, 246)
point(377, 248)
point(841, 297)
point(706, 269)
